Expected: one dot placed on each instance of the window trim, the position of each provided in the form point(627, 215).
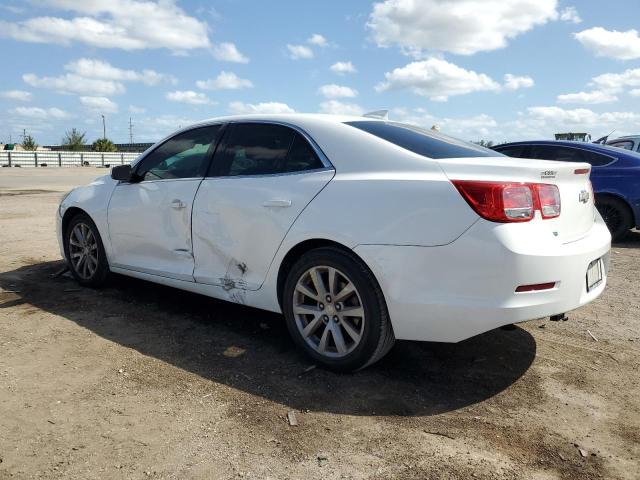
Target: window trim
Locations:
point(153, 148)
point(220, 147)
point(613, 159)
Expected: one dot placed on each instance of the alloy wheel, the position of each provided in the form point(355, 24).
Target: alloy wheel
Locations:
point(328, 311)
point(83, 251)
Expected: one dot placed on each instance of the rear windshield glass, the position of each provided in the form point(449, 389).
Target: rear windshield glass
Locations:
point(423, 142)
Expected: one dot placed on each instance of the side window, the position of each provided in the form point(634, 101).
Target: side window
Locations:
point(512, 151)
point(561, 154)
point(627, 145)
point(301, 156)
point(254, 149)
point(183, 156)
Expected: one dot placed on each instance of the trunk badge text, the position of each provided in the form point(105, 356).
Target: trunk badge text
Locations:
point(584, 196)
point(548, 174)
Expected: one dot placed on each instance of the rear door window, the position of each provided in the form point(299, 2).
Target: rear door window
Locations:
point(252, 149)
point(627, 144)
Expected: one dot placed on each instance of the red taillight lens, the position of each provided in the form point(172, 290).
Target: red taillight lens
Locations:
point(510, 202)
point(498, 201)
point(549, 198)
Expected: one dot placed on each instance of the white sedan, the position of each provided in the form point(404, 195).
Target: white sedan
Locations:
point(360, 230)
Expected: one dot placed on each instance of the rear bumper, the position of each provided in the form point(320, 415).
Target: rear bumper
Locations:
point(453, 292)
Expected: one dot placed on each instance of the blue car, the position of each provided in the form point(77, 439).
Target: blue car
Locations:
point(615, 176)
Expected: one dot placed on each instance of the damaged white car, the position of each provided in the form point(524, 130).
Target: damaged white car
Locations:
point(360, 230)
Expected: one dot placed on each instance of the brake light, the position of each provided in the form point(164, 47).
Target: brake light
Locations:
point(510, 202)
point(549, 198)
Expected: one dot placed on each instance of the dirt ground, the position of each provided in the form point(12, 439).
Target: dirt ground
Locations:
point(143, 381)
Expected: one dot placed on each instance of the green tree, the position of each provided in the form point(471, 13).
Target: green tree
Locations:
point(29, 143)
point(104, 145)
point(73, 140)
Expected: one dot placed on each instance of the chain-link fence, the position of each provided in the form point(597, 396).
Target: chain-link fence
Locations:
point(64, 159)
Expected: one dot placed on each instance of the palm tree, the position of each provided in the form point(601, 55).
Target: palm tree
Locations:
point(104, 145)
point(29, 143)
point(73, 140)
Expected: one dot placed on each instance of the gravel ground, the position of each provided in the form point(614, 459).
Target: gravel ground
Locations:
point(143, 381)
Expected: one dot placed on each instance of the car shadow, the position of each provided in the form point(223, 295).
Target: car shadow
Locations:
point(250, 349)
point(631, 240)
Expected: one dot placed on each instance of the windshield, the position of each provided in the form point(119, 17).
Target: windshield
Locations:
point(423, 142)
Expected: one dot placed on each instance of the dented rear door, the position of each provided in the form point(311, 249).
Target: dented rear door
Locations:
point(241, 216)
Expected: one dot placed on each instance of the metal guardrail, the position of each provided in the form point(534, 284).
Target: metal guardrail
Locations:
point(64, 159)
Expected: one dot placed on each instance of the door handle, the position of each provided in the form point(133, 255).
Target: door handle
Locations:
point(277, 203)
point(178, 204)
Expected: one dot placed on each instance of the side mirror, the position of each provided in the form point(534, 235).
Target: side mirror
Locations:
point(122, 173)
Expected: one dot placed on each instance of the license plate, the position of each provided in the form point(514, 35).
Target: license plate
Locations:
point(594, 274)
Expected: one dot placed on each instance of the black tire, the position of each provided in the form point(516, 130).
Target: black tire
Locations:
point(376, 338)
point(101, 273)
point(617, 215)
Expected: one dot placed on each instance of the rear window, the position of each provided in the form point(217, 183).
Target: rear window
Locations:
point(423, 142)
point(512, 150)
point(569, 154)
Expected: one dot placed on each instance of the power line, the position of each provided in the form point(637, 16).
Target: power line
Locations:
point(130, 131)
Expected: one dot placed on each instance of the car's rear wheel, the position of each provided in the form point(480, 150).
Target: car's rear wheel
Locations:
point(335, 310)
point(85, 252)
point(616, 215)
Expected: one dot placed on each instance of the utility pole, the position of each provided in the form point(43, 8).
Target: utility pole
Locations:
point(104, 128)
point(130, 131)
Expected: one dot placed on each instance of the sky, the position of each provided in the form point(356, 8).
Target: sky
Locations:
point(498, 70)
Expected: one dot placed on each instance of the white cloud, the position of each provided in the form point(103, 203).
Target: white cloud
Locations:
point(93, 68)
point(337, 91)
point(570, 14)
point(123, 24)
point(297, 52)
point(37, 113)
point(99, 104)
point(334, 107)
point(593, 97)
point(135, 109)
point(263, 107)
point(317, 40)
point(436, 79)
point(635, 92)
point(19, 95)
point(225, 81)
point(72, 83)
point(514, 82)
point(343, 67)
point(478, 127)
point(463, 27)
point(228, 52)
point(190, 97)
point(616, 82)
point(606, 43)
point(582, 117)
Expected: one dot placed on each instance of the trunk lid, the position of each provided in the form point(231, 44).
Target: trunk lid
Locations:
point(577, 213)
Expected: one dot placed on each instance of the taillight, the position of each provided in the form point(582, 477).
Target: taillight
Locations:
point(549, 198)
point(510, 202)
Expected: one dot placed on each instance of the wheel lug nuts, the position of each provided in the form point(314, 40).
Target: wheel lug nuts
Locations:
point(328, 299)
point(335, 318)
point(325, 318)
point(321, 306)
point(338, 307)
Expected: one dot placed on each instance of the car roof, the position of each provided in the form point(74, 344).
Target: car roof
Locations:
point(293, 118)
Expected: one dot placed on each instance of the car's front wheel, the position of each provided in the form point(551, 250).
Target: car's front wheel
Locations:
point(85, 253)
point(335, 310)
